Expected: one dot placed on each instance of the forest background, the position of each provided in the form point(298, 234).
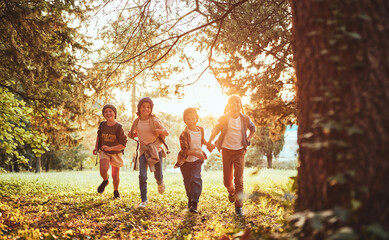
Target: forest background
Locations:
point(63, 63)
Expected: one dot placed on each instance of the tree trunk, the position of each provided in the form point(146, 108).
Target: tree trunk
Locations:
point(269, 157)
point(341, 53)
point(38, 165)
point(47, 164)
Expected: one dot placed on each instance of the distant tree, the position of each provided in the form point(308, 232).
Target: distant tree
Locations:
point(263, 145)
point(341, 51)
point(17, 138)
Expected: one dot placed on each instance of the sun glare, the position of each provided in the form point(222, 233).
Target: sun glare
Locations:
point(208, 99)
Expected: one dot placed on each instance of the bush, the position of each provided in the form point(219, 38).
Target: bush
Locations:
point(285, 165)
point(214, 162)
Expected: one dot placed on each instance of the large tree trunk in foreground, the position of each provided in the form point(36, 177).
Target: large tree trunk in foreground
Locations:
point(341, 54)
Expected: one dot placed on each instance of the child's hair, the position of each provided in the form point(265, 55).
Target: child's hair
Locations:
point(111, 107)
point(190, 110)
point(230, 99)
point(143, 100)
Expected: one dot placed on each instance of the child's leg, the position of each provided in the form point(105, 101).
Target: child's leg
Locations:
point(115, 177)
point(238, 176)
point(186, 174)
point(228, 170)
point(104, 166)
point(158, 175)
point(196, 183)
point(143, 177)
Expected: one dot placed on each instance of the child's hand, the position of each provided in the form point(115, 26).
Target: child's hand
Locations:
point(199, 155)
point(132, 135)
point(105, 148)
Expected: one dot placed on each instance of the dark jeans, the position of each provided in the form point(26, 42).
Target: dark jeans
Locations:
point(143, 175)
point(191, 172)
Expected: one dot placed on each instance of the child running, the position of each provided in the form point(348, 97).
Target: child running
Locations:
point(110, 142)
point(150, 133)
point(232, 143)
point(191, 157)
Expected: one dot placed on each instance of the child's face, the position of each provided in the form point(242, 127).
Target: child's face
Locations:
point(109, 114)
point(235, 105)
point(145, 109)
point(191, 120)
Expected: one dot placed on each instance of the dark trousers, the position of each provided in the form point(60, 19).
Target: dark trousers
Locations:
point(143, 175)
point(233, 166)
point(191, 172)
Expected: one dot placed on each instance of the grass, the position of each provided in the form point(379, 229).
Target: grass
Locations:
point(66, 205)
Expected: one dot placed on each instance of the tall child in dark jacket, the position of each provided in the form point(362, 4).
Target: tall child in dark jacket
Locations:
point(191, 157)
point(110, 142)
point(232, 143)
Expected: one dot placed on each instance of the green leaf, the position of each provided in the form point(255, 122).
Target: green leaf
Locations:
point(378, 230)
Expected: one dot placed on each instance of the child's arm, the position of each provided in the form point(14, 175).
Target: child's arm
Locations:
point(198, 154)
point(160, 129)
point(96, 146)
point(216, 130)
point(162, 132)
point(252, 130)
point(118, 147)
point(250, 135)
point(132, 135)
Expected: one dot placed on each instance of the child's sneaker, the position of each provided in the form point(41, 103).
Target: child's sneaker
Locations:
point(161, 188)
point(102, 186)
point(231, 197)
point(116, 194)
point(143, 204)
point(239, 212)
point(193, 208)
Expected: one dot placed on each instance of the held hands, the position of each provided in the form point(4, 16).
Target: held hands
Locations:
point(210, 147)
point(132, 135)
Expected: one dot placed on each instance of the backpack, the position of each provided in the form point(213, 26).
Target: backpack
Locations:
point(160, 138)
point(117, 133)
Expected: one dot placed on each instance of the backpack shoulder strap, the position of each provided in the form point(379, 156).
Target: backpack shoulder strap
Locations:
point(99, 133)
point(161, 138)
point(134, 125)
point(101, 125)
point(118, 129)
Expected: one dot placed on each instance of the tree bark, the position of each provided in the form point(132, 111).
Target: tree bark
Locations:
point(38, 165)
point(269, 157)
point(341, 53)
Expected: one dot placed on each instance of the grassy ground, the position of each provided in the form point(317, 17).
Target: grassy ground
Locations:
point(66, 205)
